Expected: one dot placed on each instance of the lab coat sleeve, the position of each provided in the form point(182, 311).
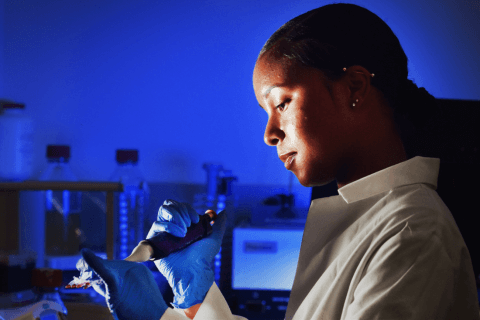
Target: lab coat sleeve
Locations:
point(214, 307)
point(410, 276)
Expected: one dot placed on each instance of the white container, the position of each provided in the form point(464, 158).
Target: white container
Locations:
point(16, 143)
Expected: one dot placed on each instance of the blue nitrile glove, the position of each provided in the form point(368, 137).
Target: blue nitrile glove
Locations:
point(188, 271)
point(129, 288)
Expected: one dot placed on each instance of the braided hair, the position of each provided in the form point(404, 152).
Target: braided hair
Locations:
point(341, 35)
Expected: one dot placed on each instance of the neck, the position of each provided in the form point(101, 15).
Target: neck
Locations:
point(374, 155)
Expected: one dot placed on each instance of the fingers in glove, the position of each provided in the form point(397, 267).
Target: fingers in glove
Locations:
point(170, 202)
point(184, 216)
point(166, 215)
point(131, 291)
point(174, 212)
point(194, 216)
point(111, 272)
point(159, 226)
point(97, 265)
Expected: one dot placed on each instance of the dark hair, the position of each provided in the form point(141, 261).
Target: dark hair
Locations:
point(341, 35)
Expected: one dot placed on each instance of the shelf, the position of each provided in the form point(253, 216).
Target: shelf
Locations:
point(9, 203)
point(33, 185)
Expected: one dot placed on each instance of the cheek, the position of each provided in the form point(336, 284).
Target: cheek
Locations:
point(309, 133)
point(311, 144)
point(292, 132)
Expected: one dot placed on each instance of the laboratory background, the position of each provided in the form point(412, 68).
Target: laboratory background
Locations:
point(108, 108)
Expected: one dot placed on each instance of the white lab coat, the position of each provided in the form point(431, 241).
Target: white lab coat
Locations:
point(386, 247)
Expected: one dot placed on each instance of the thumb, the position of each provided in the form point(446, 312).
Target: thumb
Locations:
point(100, 288)
point(97, 264)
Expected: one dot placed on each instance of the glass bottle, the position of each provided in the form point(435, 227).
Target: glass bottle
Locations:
point(130, 204)
point(62, 216)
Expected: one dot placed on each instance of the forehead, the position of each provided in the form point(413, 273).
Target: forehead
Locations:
point(269, 69)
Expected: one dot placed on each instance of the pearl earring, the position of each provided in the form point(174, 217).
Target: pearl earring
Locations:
point(356, 102)
point(372, 74)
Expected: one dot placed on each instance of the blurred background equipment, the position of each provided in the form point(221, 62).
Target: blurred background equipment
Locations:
point(219, 196)
point(42, 302)
point(18, 255)
point(218, 189)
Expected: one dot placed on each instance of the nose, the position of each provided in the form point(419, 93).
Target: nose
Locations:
point(273, 133)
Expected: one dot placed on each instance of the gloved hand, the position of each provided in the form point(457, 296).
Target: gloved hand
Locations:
point(188, 271)
point(128, 287)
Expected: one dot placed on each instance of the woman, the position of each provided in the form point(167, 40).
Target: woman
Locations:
point(333, 82)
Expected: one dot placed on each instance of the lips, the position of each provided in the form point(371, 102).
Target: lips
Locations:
point(288, 159)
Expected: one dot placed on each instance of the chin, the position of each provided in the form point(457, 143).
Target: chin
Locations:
point(310, 180)
point(303, 179)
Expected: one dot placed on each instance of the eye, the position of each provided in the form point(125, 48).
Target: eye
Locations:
point(281, 106)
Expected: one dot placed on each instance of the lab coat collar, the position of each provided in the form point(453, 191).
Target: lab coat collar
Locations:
point(415, 170)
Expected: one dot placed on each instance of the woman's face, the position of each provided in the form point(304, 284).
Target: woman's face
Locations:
point(309, 128)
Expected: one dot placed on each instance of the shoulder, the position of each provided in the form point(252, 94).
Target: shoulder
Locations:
point(419, 210)
point(417, 203)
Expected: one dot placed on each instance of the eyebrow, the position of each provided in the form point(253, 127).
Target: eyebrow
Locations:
point(267, 92)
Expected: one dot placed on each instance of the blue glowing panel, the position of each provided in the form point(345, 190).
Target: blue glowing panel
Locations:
point(265, 259)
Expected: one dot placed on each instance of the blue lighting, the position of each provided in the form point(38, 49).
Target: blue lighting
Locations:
point(66, 202)
point(218, 265)
point(152, 85)
point(48, 199)
point(49, 317)
point(123, 227)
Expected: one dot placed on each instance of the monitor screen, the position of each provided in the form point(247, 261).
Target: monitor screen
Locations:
point(265, 259)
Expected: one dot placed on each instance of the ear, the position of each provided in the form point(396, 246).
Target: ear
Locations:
point(358, 80)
